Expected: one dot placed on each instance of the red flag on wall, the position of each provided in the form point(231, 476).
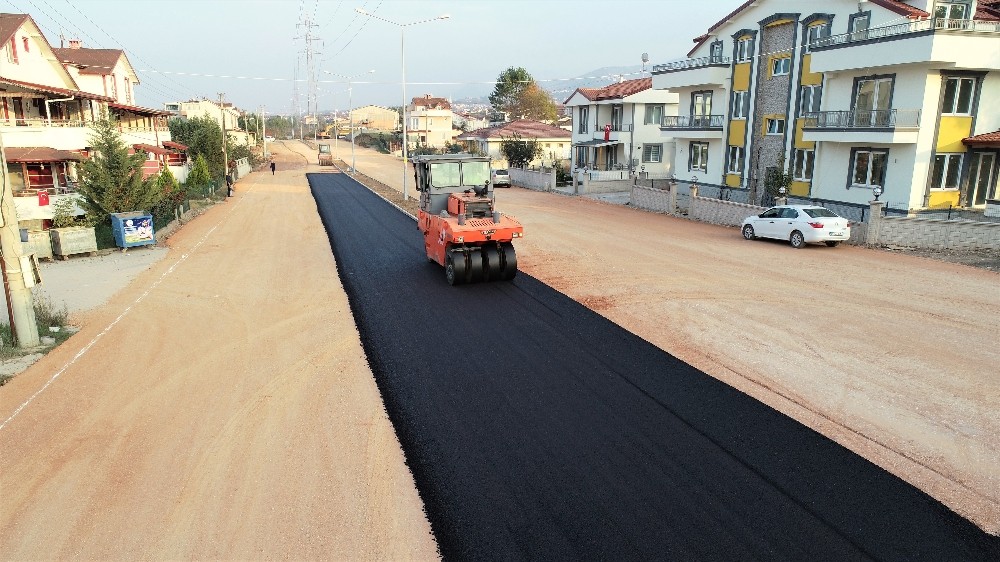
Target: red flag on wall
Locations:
point(43, 198)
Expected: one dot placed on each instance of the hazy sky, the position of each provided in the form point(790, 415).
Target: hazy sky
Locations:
point(250, 49)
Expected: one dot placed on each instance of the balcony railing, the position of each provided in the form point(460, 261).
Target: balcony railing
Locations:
point(857, 119)
point(693, 122)
point(687, 64)
point(907, 28)
point(43, 122)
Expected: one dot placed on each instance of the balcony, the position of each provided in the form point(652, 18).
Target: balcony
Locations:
point(694, 126)
point(877, 126)
point(939, 43)
point(616, 130)
point(705, 71)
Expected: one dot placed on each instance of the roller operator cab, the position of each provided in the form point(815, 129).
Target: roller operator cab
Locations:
point(324, 155)
point(462, 229)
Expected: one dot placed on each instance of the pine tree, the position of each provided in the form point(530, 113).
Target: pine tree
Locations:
point(111, 180)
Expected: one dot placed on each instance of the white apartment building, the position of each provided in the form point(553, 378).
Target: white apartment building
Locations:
point(617, 127)
point(429, 122)
point(899, 95)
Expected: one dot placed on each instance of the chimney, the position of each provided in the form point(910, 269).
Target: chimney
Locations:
point(75, 44)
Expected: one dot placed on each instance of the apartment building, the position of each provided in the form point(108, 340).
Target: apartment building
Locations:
point(374, 117)
point(617, 127)
point(890, 94)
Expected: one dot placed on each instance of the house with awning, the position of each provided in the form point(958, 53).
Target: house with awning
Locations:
point(617, 128)
point(49, 98)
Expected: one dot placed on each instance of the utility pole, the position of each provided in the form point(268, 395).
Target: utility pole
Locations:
point(20, 305)
point(225, 155)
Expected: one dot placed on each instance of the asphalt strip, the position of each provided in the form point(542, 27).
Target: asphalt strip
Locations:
point(537, 429)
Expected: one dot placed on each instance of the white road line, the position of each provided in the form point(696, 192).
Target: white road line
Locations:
point(83, 351)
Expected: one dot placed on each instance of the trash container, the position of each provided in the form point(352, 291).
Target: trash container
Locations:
point(133, 229)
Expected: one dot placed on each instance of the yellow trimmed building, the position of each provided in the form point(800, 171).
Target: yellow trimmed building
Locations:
point(899, 95)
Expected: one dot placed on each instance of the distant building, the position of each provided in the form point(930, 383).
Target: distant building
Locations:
point(210, 108)
point(429, 122)
point(374, 117)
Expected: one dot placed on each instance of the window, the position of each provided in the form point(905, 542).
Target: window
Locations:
point(430, 122)
point(859, 23)
point(802, 165)
point(871, 102)
point(958, 96)
point(868, 167)
point(581, 156)
point(741, 105)
point(951, 10)
point(744, 49)
point(652, 153)
point(701, 106)
point(446, 174)
point(947, 168)
point(584, 115)
point(715, 51)
point(654, 115)
point(698, 159)
point(617, 112)
point(781, 66)
point(809, 97)
point(114, 87)
point(12, 52)
point(24, 41)
point(815, 35)
point(735, 160)
point(775, 126)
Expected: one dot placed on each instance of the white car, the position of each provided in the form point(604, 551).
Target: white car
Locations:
point(799, 224)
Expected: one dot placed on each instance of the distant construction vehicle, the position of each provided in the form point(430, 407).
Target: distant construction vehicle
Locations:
point(325, 157)
point(462, 229)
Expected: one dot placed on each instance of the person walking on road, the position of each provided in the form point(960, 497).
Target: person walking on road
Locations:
point(272, 167)
point(229, 185)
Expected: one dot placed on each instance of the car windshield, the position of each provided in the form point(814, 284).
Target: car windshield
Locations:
point(819, 212)
point(445, 174)
point(475, 173)
point(501, 172)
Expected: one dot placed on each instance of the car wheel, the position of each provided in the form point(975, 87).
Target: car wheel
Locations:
point(797, 240)
point(748, 232)
point(832, 243)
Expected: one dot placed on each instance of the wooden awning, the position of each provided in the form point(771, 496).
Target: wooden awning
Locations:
point(152, 149)
point(174, 145)
point(39, 154)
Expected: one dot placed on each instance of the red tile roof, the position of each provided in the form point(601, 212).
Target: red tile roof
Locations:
point(988, 10)
point(174, 145)
point(901, 8)
point(39, 154)
point(54, 90)
point(431, 103)
point(524, 127)
point(94, 61)
point(9, 24)
point(616, 91)
point(985, 139)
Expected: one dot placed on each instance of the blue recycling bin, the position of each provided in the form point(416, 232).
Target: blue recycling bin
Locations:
point(133, 229)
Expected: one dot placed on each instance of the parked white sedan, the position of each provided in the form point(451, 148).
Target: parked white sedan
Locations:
point(799, 224)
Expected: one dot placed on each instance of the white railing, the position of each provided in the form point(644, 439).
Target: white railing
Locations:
point(687, 64)
point(917, 26)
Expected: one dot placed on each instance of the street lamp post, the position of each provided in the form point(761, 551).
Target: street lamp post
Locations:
point(402, 59)
point(350, 112)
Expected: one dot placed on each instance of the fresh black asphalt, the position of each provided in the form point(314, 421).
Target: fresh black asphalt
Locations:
point(537, 429)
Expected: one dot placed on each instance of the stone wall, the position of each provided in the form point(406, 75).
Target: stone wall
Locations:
point(650, 199)
point(725, 213)
point(540, 181)
point(937, 234)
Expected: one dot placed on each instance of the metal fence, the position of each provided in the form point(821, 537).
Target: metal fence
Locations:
point(855, 212)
